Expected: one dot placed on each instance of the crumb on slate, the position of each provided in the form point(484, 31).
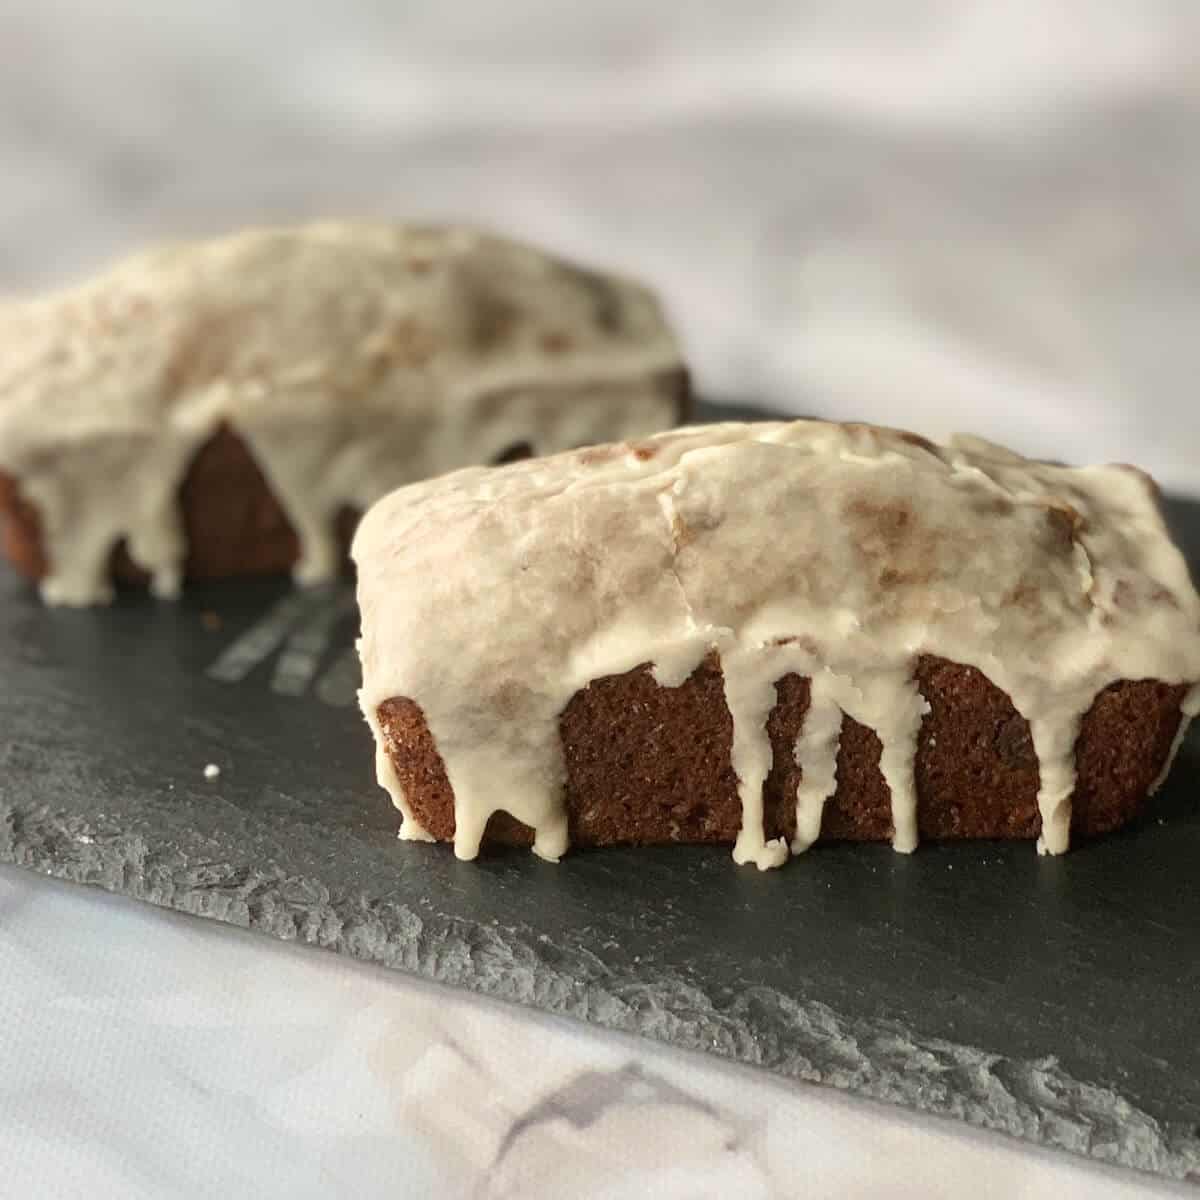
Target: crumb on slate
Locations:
point(211, 771)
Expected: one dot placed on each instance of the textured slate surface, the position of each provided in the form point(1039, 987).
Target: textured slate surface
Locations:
point(1054, 999)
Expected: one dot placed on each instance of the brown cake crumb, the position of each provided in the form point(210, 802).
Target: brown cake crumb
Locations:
point(648, 764)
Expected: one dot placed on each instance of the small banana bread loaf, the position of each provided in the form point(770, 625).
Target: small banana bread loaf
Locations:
point(772, 633)
point(231, 406)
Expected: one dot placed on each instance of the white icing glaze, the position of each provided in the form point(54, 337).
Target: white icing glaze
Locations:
point(350, 358)
point(841, 553)
point(816, 753)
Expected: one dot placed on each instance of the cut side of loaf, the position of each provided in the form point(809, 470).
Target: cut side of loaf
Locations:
point(649, 765)
point(771, 634)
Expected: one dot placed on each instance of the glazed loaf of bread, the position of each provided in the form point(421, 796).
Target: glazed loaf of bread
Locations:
point(773, 633)
point(231, 406)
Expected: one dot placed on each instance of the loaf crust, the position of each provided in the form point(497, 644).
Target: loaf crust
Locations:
point(648, 764)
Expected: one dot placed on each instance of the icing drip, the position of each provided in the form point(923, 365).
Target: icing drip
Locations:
point(816, 754)
point(750, 676)
point(350, 359)
point(1054, 745)
point(838, 553)
point(889, 702)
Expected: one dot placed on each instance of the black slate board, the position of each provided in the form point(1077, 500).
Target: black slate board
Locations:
point(1054, 999)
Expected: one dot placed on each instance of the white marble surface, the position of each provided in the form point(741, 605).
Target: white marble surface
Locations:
point(943, 215)
point(147, 1054)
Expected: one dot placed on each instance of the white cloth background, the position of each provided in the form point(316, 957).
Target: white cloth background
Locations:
point(936, 214)
point(939, 214)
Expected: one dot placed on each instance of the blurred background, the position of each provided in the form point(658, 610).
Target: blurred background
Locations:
point(941, 215)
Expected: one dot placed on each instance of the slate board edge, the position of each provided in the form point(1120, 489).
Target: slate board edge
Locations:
point(786, 1034)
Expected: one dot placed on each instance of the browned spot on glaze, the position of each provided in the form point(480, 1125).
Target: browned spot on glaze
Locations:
point(684, 531)
point(644, 451)
point(412, 344)
point(802, 640)
point(1164, 597)
point(681, 533)
point(1123, 594)
point(420, 266)
point(915, 439)
point(492, 320)
point(1065, 523)
point(890, 519)
point(555, 341)
point(407, 344)
point(594, 455)
point(992, 505)
point(1026, 595)
point(893, 543)
point(373, 370)
point(894, 577)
